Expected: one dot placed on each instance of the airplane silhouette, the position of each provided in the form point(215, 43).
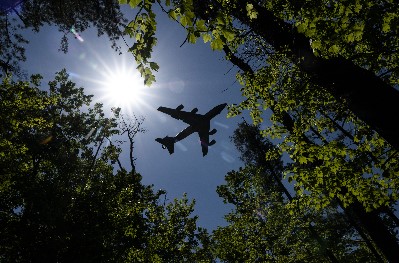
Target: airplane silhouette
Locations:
point(197, 123)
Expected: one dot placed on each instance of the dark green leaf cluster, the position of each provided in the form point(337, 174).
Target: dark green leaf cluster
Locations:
point(12, 51)
point(265, 227)
point(142, 30)
point(262, 228)
point(104, 15)
point(64, 194)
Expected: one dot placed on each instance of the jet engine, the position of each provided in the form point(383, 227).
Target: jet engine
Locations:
point(180, 107)
point(194, 110)
point(212, 132)
point(212, 142)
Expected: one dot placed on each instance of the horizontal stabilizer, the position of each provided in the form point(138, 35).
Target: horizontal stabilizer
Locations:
point(167, 143)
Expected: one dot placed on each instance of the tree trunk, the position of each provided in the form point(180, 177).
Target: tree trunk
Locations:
point(371, 222)
point(369, 97)
point(376, 229)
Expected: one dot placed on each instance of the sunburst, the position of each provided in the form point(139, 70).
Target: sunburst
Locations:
point(122, 86)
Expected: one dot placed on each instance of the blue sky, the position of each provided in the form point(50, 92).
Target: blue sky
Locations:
point(192, 75)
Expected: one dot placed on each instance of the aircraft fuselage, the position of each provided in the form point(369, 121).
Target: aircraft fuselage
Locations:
point(199, 123)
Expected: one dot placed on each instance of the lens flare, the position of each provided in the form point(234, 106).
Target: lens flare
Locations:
point(76, 34)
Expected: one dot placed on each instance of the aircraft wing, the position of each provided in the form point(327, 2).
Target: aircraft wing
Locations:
point(184, 133)
point(178, 114)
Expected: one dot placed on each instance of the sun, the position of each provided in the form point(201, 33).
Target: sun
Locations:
point(124, 88)
point(116, 83)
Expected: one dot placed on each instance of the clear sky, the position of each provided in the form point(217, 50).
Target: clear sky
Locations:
point(192, 75)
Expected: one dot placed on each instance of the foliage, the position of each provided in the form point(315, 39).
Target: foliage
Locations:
point(64, 195)
point(265, 226)
point(353, 29)
point(104, 15)
point(299, 60)
point(254, 147)
point(327, 70)
point(332, 150)
point(142, 29)
point(262, 228)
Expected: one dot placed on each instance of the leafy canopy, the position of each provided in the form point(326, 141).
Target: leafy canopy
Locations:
point(64, 194)
point(295, 59)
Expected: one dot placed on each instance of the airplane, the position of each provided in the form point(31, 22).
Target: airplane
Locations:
point(197, 123)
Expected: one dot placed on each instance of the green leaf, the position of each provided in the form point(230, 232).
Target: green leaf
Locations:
point(386, 27)
point(302, 26)
point(358, 7)
point(191, 38)
point(134, 3)
point(228, 34)
point(154, 66)
point(351, 37)
point(316, 44)
point(173, 14)
point(206, 38)
point(302, 160)
point(140, 68)
point(138, 37)
point(220, 20)
point(149, 79)
point(217, 44)
point(200, 25)
point(251, 12)
point(334, 49)
point(358, 35)
point(184, 20)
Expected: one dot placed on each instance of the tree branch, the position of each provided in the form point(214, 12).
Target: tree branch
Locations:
point(341, 77)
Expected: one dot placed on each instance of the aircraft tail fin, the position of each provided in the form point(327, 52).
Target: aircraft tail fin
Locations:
point(167, 143)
